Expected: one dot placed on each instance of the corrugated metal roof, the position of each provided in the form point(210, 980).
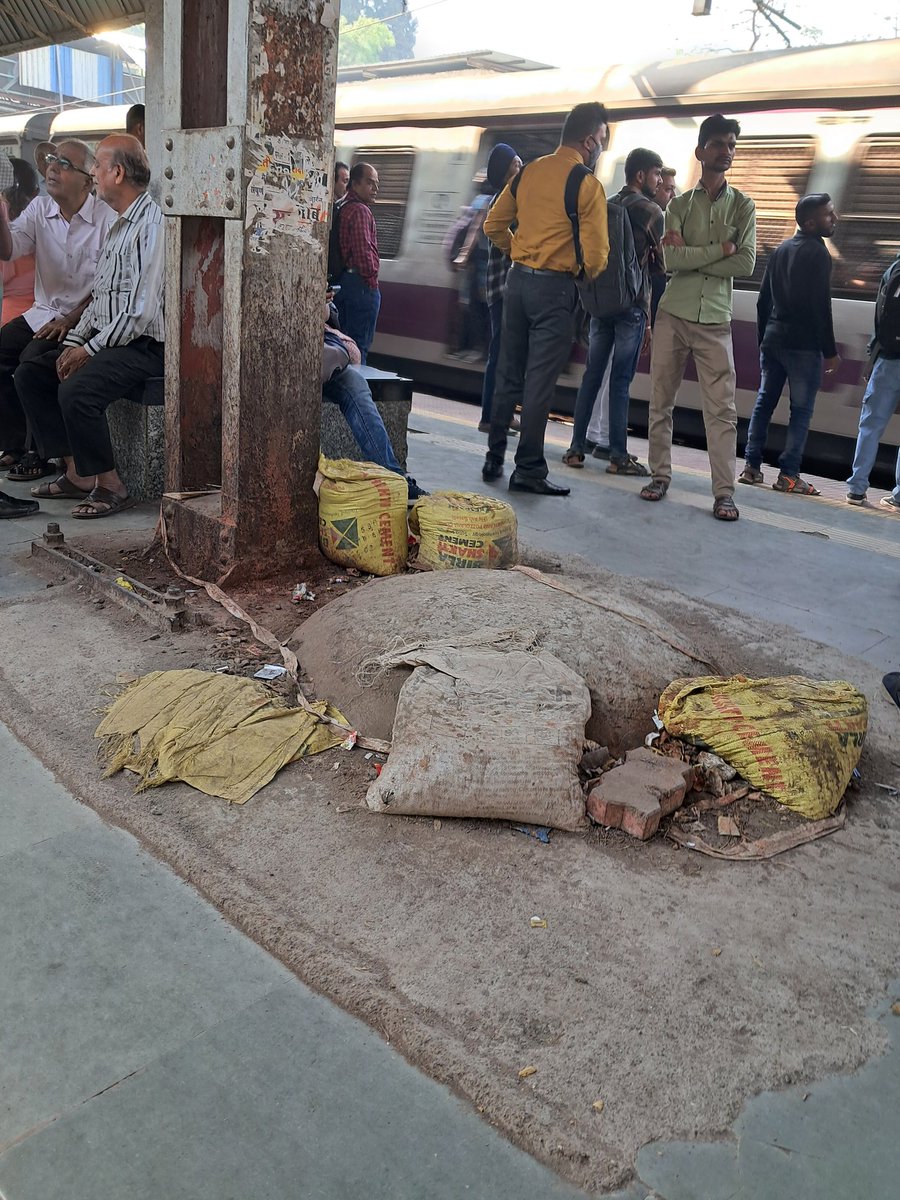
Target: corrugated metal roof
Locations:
point(25, 24)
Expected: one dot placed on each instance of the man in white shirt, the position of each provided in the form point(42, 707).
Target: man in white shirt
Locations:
point(116, 345)
point(65, 231)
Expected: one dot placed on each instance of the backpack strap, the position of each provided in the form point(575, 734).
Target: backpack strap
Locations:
point(889, 281)
point(573, 186)
point(514, 183)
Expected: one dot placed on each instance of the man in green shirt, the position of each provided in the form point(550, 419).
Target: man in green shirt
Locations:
point(710, 238)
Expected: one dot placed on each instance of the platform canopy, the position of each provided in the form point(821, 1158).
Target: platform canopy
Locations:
point(25, 24)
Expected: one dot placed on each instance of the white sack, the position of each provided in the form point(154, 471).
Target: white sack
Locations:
point(480, 733)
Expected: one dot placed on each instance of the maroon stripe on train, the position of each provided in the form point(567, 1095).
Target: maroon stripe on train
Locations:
point(426, 313)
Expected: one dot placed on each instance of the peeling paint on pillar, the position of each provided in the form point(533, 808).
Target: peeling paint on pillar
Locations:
point(201, 351)
point(288, 87)
point(269, 317)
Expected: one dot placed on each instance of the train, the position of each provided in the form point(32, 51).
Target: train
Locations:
point(814, 119)
point(818, 119)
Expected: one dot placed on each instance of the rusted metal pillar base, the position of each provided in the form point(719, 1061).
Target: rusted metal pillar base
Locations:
point(246, 171)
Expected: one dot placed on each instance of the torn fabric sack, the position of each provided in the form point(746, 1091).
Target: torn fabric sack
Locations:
point(487, 734)
point(224, 735)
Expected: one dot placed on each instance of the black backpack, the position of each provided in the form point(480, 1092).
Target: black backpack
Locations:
point(619, 285)
point(335, 258)
point(887, 313)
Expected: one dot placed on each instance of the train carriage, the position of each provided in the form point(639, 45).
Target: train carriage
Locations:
point(816, 119)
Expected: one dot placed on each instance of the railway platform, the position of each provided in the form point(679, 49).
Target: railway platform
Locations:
point(169, 1028)
point(816, 564)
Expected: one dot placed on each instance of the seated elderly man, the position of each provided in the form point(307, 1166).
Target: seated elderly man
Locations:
point(64, 232)
point(116, 345)
point(346, 387)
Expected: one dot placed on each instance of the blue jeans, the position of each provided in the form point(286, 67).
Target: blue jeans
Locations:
point(350, 392)
point(878, 406)
point(358, 307)
point(802, 369)
point(620, 336)
point(495, 312)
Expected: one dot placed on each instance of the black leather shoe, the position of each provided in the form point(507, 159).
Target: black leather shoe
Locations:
point(491, 470)
point(540, 487)
point(11, 506)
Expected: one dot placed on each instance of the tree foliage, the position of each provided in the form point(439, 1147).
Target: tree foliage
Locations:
point(363, 41)
point(394, 16)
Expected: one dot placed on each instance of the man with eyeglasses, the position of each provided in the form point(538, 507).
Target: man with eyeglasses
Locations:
point(116, 346)
point(65, 231)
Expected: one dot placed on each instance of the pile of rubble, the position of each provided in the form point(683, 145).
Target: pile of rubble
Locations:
point(696, 798)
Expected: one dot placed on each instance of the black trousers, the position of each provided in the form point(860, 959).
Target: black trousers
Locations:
point(69, 418)
point(535, 344)
point(17, 344)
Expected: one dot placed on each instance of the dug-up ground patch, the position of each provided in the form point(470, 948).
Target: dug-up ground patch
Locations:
point(669, 986)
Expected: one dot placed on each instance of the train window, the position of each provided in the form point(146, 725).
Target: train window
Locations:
point(775, 172)
point(529, 144)
point(394, 165)
point(867, 238)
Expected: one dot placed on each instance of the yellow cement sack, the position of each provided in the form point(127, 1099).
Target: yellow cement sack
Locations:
point(462, 529)
point(362, 516)
point(797, 739)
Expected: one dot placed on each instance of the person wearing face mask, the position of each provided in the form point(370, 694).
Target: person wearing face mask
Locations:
point(529, 222)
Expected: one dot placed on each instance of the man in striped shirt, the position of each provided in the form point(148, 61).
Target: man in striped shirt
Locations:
point(116, 345)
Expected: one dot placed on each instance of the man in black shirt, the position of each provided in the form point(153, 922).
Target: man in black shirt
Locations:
point(796, 339)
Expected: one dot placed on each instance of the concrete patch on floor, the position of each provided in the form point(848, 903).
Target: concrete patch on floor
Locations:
point(827, 1140)
point(425, 933)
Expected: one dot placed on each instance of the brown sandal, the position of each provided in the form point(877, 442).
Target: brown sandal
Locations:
point(573, 459)
point(65, 490)
point(654, 490)
point(101, 496)
point(725, 509)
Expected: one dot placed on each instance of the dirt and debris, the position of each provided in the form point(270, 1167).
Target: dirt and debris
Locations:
point(425, 933)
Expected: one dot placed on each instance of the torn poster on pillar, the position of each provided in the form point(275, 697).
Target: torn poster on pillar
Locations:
point(287, 192)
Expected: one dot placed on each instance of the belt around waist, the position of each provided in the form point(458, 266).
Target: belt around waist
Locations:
point(542, 271)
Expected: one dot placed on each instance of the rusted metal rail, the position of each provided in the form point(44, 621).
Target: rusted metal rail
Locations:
point(163, 610)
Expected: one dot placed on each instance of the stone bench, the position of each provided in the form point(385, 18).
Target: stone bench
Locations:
point(393, 399)
point(138, 433)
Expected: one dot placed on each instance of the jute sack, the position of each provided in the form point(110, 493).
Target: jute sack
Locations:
point(797, 739)
point(483, 733)
point(362, 516)
point(462, 529)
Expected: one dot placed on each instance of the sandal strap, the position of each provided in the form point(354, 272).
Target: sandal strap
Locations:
point(655, 490)
point(723, 505)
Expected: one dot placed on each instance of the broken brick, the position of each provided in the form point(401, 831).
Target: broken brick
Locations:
point(635, 796)
point(622, 800)
point(669, 778)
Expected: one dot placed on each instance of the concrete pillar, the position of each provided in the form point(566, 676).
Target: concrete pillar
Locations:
point(246, 160)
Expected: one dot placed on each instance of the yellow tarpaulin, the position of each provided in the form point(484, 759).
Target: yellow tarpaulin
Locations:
point(224, 735)
point(797, 739)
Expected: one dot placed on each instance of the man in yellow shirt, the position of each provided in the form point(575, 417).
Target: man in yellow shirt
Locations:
point(529, 222)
